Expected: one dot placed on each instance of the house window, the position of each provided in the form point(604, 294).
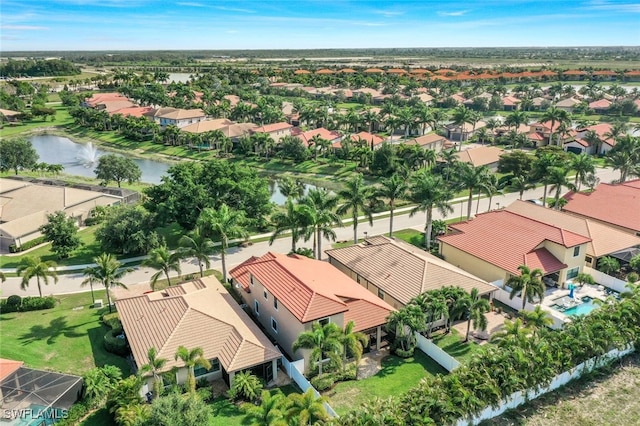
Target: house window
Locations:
point(251, 279)
point(275, 303)
point(572, 273)
point(576, 251)
point(266, 296)
point(381, 294)
point(274, 324)
point(215, 366)
point(256, 307)
point(323, 321)
point(588, 259)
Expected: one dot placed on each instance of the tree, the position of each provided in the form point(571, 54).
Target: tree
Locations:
point(154, 367)
point(541, 168)
point(164, 261)
point(353, 343)
point(429, 192)
point(472, 178)
point(529, 284)
point(127, 229)
point(520, 185)
point(554, 115)
point(245, 386)
point(355, 196)
point(583, 278)
point(222, 224)
point(179, 410)
point(192, 358)
point(295, 218)
point(270, 412)
point(98, 384)
point(518, 163)
point(62, 231)
point(403, 324)
point(609, 265)
point(583, 165)
point(117, 168)
point(323, 216)
point(625, 156)
point(31, 266)
point(290, 188)
point(322, 340)
point(392, 189)
point(197, 246)
point(17, 154)
point(477, 308)
point(307, 409)
point(513, 334)
point(537, 319)
point(557, 178)
point(108, 271)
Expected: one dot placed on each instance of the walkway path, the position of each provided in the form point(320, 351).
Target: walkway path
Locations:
point(71, 283)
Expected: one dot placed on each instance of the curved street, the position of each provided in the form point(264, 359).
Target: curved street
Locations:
point(71, 283)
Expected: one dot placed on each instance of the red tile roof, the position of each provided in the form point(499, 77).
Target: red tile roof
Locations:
point(135, 111)
point(99, 98)
point(369, 137)
point(312, 289)
point(8, 367)
point(518, 242)
point(601, 104)
point(329, 135)
point(615, 204)
point(298, 72)
point(373, 71)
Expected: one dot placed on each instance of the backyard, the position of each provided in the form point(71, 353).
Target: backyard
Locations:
point(67, 338)
point(396, 377)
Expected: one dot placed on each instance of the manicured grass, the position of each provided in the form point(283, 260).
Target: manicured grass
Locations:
point(101, 417)
point(59, 339)
point(62, 118)
point(396, 377)
point(453, 344)
point(411, 236)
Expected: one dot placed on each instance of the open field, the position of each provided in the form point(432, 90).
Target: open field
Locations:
point(62, 118)
point(608, 397)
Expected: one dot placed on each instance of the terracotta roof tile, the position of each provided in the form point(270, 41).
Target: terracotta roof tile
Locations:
point(480, 156)
point(427, 139)
point(270, 128)
point(8, 367)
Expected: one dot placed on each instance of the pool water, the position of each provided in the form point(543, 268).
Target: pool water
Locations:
point(582, 309)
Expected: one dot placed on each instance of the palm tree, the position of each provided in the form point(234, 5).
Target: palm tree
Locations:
point(197, 246)
point(392, 189)
point(164, 261)
point(554, 115)
point(307, 409)
point(356, 195)
point(490, 188)
point(154, 367)
point(461, 115)
point(472, 178)
point(270, 412)
point(609, 265)
point(625, 156)
point(295, 218)
point(322, 205)
point(537, 319)
point(520, 184)
point(404, 323)
point(477, 308)
point(451, 160)
point(541, 170)
point(290, 188)
point(529, 284)
point(557, 178)
point(514, 333)
point(583, 278)
point(429, 192)
point(322, 340)
point(192, 358)
point(32, 266)
point(222, 224)
point(107, 271)
point(583, 165)
point(353, 343)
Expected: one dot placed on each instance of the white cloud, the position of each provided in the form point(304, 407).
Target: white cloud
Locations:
point(234, 9)
point(456, 13)
point(614, 7)
point(190, 4)
point(24, 27)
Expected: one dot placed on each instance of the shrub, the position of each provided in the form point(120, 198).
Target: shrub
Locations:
point(116, 345)
point(14, 300)
point(245, 386)
point(112, 320)
point(5, 308)
point(404, 354)
point(26, 246)
point(37, 303)
point(323, 382)
point(75, 413)
point(632, 277)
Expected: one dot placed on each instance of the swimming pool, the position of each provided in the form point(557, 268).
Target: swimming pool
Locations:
point(586, 306)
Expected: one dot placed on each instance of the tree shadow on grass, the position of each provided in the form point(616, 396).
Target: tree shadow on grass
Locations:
point(57, 327)
point(100, 355)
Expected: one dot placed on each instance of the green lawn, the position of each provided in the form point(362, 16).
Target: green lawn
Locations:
point(67, 338)
point(101, 417)
point(453, 344)
point(62, 118)
point(396, 377)
point(411, 236)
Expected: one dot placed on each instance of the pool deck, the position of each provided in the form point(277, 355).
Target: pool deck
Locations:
point(552, 294)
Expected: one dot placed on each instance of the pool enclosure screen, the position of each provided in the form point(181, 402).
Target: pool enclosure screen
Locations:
point(31, 397)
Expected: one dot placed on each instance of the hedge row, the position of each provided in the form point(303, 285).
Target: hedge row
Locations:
point(18, 304)
point(26, 246)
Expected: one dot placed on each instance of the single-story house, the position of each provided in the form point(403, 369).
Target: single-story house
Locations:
point(197, 314)
point(9, 116)
point(494, 244)
point(481, 156)
point(615, 205)
point(568, 104)
point(289, 293)
point(601, 106)
point(109, 102)
point(463, 132)
point(397, 272)
point(306, 137)
point(430, 141)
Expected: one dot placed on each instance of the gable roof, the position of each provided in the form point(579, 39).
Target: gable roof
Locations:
point(604, 239)
point(312, 289)
point(480, 156)
point(177, 317)
point(615, 204)
point(100, 98)
point(133, 111)
point(329, 135)
point(369, 137)
point(270, 128)
point(519, 241)
point(179, 113)
point(600, 104)
point(404, 271)
point(427, 139)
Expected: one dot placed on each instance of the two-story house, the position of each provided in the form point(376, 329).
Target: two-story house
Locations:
point(177, 116)
point(276, 131)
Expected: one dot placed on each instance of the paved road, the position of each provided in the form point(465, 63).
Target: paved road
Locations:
point(70, 283)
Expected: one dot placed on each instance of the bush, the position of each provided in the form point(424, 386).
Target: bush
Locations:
point(245, 386)
point(5, 308)
point(404, 354)
point(37, 303)
point(14, 300)
point(26, 246)
point(75, 413)
point(323, 382)
point(116, 345)
point(112, 320)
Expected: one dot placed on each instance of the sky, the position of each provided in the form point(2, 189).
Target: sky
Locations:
point(310, 24)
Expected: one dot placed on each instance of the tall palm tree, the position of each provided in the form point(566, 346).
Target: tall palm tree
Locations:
point(472, 178)
point(554, 115)
point(192, 358)
point(222, 224)
point(32, 266)
point(154, 367)
point(428, 192)
point(451, 160)
point(392, 189)
point(491, 187)
point(295, 218)
point(529, 284)
point(557, 178)
point(404, 323)
point(625, 156)
point(322, 340)
point(520, 184)
point(583, 165)
point(197, 246)
point(353, 343)
point(356, 195)
point(322, 205)
point(537, 319)
point(290, 187)
point(514, 333)
point(462, 115)
point(477, 308)
point(107, 271)
point(541, 168)
point(307, 409)
point(164, 261)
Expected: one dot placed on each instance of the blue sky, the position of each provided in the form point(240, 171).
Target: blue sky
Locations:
point(273, 24)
